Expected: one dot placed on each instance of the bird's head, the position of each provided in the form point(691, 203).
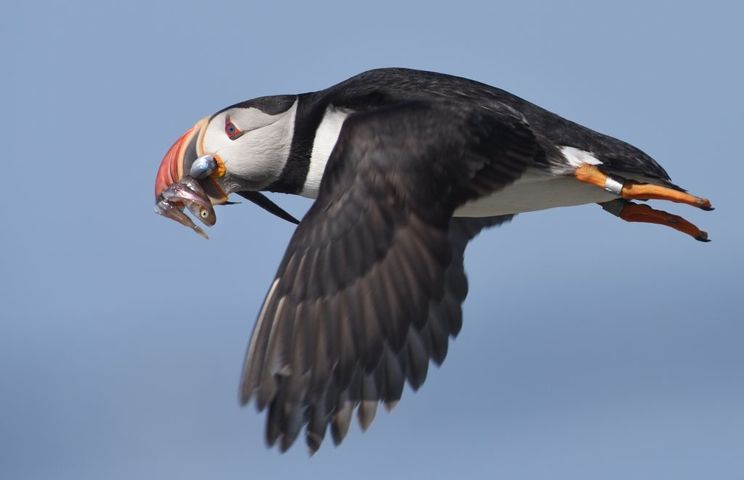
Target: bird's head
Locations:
point(242, 149)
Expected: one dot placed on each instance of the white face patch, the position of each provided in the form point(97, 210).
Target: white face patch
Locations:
point(257, 157)
point(325, 139)
point(577, 157)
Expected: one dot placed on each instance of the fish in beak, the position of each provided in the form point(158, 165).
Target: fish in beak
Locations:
point(189, 179)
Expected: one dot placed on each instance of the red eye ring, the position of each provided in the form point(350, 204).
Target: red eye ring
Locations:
point(231, 130)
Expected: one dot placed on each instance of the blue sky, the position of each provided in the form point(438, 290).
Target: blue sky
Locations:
point(592, 348)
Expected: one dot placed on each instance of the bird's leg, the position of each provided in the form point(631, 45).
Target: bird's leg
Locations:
point(637, 191)
point(634, 212)
point(645, 191)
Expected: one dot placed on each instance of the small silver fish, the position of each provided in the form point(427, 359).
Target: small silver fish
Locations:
point(203, 167)
point(201, 209)
point(186, 193)
point(195, 201)
point(169, 210)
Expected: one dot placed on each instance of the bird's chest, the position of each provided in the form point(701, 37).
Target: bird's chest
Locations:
point(324, 141)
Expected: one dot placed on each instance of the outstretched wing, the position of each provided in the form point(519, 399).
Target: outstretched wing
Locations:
point(370, 287)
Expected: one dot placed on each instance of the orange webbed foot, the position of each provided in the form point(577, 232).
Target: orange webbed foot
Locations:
point(634, 212)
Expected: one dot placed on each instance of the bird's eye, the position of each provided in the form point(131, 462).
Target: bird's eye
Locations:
point(231, 130)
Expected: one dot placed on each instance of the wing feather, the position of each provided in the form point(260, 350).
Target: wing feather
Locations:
point(370, 288)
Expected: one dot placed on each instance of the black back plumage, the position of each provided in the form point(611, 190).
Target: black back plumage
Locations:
point(549, 128)
point(388, 86)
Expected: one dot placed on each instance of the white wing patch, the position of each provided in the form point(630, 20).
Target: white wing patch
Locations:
point(577, 157)
point(325, 140)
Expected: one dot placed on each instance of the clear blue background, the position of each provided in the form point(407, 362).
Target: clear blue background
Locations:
point(592, 348)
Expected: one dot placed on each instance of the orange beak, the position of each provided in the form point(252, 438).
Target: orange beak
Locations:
point(177, 163)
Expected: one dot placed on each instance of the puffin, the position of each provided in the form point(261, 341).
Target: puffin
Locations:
point(405, 168)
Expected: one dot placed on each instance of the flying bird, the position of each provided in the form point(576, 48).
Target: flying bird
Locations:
point(405, 167)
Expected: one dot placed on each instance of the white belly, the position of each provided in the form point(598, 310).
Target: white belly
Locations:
point(535, 191)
